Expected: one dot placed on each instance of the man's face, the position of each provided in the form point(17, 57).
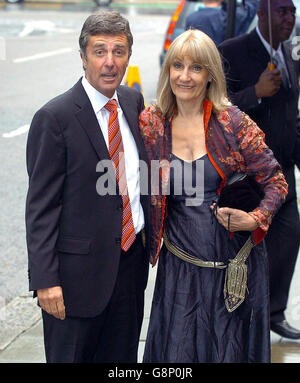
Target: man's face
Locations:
point(283, 19)
point(107, 57)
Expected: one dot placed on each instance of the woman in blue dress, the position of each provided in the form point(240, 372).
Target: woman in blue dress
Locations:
point(199, 141)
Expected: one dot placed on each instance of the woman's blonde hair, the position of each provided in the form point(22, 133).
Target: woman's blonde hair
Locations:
point(202, 50)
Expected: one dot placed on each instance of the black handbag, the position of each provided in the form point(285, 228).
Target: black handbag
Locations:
point(241, 192)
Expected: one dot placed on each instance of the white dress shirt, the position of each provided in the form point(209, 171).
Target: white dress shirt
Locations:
point(98, 102)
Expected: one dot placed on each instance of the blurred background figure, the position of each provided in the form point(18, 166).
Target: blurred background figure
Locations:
point(211, 18)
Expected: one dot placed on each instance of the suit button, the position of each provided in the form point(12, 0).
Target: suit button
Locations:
point(118, 241)
point(120, 207)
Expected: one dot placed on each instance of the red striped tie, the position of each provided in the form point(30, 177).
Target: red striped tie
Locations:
point(116, 152)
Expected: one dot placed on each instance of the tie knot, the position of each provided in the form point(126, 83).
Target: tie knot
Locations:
point(111, 106)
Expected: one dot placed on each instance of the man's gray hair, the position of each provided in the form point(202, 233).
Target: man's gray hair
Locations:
point(104, 23)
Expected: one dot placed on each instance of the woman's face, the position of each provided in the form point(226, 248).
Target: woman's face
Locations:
point(188, 80)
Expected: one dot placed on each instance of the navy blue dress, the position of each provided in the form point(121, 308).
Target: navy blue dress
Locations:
point(189, 321)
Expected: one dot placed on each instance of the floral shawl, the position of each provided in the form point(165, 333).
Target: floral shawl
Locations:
point(234, 143)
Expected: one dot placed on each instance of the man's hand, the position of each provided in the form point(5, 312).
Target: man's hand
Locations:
point(239, 219)
point(268, 83)
point(51, 300)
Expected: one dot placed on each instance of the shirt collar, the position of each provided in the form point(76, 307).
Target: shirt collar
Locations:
point(97, 99)
point(267, 45)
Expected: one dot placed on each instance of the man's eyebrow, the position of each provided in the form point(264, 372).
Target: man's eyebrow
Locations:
point(120, 46)
point(99, 45)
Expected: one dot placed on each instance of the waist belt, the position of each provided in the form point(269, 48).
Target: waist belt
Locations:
point(236, 271)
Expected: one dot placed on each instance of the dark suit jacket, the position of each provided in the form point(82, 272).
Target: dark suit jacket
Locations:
point(245, 58)
point(73, 233)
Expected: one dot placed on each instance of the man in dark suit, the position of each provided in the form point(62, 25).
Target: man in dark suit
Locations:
point(270, 97)
point(88, 250)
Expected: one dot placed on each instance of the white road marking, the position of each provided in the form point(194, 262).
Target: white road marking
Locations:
point(17, 132)
point(47, 26)
point(39, 25)
point(43, 55)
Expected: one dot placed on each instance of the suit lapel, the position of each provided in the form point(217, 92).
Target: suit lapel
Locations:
point(257, 50)
point(290, 65)
point(88, 121)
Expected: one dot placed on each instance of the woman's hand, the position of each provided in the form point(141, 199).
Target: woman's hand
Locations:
point(239, 219)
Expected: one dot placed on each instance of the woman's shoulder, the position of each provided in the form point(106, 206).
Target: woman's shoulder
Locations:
point(151, 113)
point(228, 118)
point(233, 119)
point(237, 124)
point(229, 114)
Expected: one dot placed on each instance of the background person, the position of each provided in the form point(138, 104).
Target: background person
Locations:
point(212, 18)
point(191, 122)
point(87, 260)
